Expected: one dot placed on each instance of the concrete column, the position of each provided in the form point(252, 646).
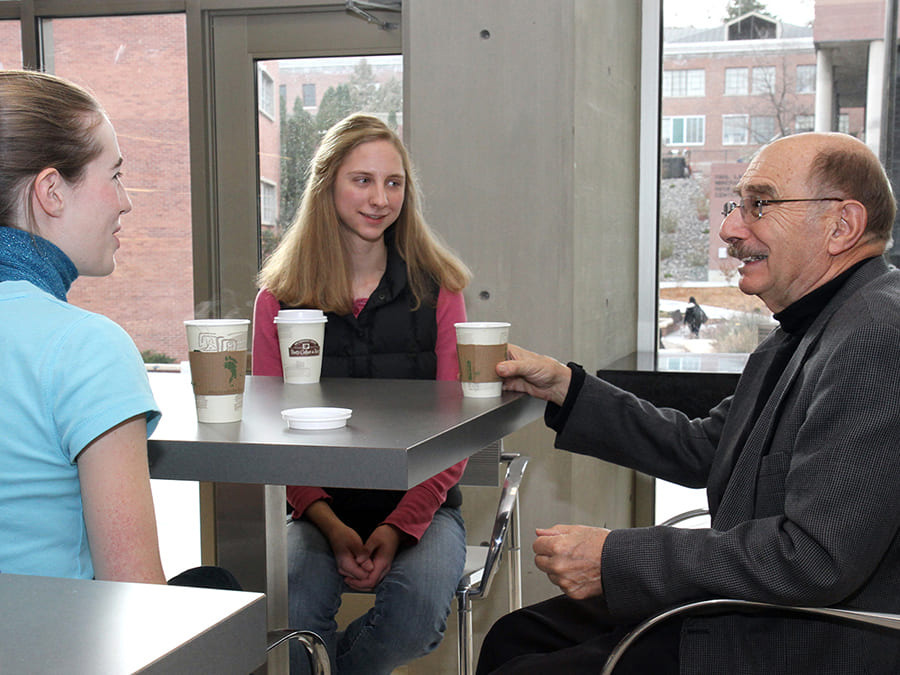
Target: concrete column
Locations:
point(524, 126)
point(875, 95)
point(824, 91)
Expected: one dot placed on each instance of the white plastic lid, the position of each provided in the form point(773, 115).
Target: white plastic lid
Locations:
point(301, 316)
point(316, 418)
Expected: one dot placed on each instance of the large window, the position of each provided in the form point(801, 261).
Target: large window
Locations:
point(10, 44)
point(266, 96)
point(762, 129)
point(288, 138)
point(804, 123)
point(763, 81)
point(806, 79)
point(734, 129)
point(137, 68)
point(776, 79)
point(684, 83)
point(683, 130)
point(736, 81)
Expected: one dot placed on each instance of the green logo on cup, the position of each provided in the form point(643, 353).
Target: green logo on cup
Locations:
point(231, 367)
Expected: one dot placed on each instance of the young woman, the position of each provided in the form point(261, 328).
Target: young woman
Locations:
point(75, 404)
point(360, 250)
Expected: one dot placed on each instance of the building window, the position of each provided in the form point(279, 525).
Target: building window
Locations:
point(734, 129)
point(684, 130)
point(763, 81)
point(844, 123)
point(267, 214)
point(266, 94)
point(684, 83)
point(735, 81)
point(806, 79)
point(309, 95)
point(804, 123)
point(762, 129)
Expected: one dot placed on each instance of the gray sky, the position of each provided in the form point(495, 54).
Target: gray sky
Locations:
point(705, 13)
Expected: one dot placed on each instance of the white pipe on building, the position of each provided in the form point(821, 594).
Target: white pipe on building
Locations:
point(824, 91)
point(875, 95)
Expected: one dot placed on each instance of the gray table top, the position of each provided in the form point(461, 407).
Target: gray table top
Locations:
point(77, 626)
point(401, 432)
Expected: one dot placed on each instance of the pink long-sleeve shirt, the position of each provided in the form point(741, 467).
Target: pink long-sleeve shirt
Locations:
point(416, 509)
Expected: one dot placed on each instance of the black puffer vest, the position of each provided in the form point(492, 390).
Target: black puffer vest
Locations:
point(386, 340)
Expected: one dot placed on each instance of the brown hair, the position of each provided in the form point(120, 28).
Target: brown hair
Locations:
point(45, 121)
point(856, 173)
point(309, 266)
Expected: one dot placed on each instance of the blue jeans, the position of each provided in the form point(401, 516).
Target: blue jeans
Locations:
point(412, 602)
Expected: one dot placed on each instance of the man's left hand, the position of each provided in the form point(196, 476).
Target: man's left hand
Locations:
point(570, 556)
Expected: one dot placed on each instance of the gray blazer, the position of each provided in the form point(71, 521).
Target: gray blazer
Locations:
point(807, 512)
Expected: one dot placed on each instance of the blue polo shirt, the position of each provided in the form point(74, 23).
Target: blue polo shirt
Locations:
point(66, 376)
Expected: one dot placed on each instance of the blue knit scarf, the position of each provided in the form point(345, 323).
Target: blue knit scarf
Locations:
point(28, 257)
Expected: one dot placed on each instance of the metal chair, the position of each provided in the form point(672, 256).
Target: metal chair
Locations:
point(725, 605)
point(315, 648)
point(483, 561)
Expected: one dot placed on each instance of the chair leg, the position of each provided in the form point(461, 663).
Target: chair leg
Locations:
point(464, 616)
point(515, 560)
point(319, 661)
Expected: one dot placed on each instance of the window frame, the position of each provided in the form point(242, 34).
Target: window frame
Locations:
point(306, 88)
point(736, 81)
point(760, 86)
point(266, 88)
point(668, 120)
point(753, 129)
point(806, 84)
point(745, 126)
point(694, 81)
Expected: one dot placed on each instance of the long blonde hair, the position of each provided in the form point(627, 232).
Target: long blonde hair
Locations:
point(309, 267)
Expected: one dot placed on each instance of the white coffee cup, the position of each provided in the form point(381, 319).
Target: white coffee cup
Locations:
point(481, 345)
point(217, 351)
point(301, 336)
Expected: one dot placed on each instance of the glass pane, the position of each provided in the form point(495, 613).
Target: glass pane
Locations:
point(707, 141)
point(313, 94)
point(137, 68)
point(10, 44)
point(698, 179)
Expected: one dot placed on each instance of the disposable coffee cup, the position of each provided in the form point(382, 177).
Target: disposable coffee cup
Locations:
point(301, 334)
point(217, 352)
point(481, 345)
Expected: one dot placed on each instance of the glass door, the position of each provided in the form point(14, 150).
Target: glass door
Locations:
point(297, 101)
point(268, 73)
point(271, 72)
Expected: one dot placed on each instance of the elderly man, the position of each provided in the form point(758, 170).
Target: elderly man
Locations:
point(801, 465)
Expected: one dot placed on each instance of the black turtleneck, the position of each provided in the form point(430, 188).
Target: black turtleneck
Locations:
point(795, 320)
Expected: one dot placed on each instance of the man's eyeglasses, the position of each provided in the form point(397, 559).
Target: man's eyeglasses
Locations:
point(755, 206)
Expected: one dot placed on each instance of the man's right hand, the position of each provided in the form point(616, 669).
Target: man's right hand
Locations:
point(539, 376)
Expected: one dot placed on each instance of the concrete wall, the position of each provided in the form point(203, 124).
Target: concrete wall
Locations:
point(522, 120)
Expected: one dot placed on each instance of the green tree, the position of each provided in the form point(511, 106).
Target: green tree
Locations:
point(389, 99)
point(363, 87)
point(336, 104)
point(299, 137)
point(738, 8)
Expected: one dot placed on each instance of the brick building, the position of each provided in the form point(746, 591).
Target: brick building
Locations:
point(729, 89)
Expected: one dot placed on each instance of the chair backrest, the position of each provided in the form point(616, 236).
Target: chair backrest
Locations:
point(508, 495)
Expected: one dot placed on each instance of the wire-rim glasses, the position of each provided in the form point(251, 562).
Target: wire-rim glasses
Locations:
point(757, 205)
